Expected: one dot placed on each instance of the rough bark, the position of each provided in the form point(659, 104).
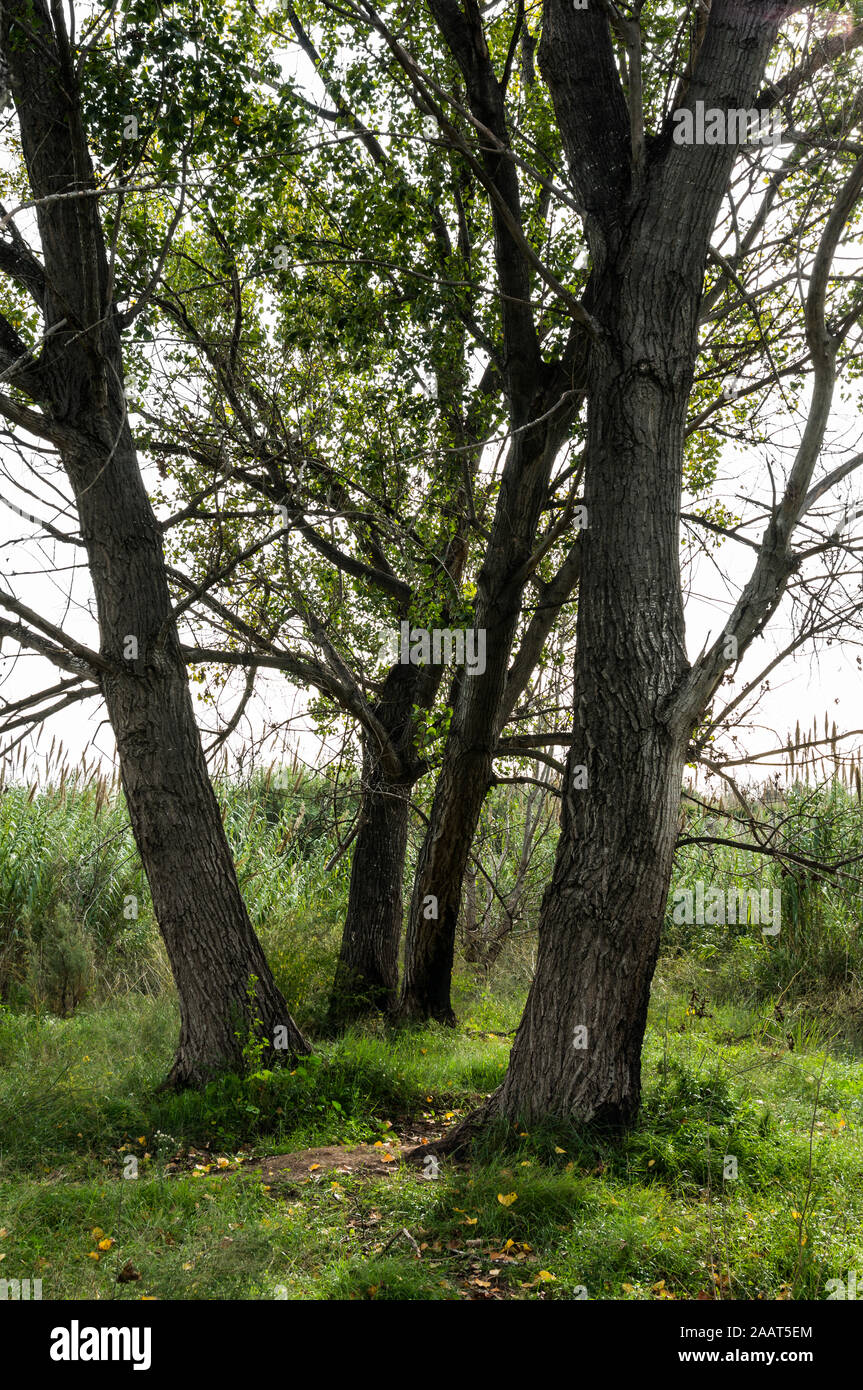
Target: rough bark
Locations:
point(601, 919)
point(366, 979)
point(224, 985)
point(602, 914)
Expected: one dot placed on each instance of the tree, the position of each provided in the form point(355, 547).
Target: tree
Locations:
point(68, 391)
point(341, 359)
point(650, 208)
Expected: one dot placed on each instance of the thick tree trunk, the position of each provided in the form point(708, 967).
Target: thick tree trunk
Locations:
point(225, 988)
point(578, 1049)
point(366, 979)
point(577, 1053)
point(649, 212)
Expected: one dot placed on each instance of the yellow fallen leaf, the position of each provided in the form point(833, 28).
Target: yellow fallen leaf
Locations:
point(507, 1199)
point(650, 1162)
point(188, 1265)
point(388, 1158)
point(313, 1166)
point(628, 1288)
point(94, 1255)
point(97, 1233)
point(106, 1243)
point(471, 1220)
point(223, 1163)
point(559, 1150)
point(545, 1276)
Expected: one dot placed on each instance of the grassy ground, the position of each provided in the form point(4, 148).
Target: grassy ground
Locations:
point(536, 1215)
point(751, 1067)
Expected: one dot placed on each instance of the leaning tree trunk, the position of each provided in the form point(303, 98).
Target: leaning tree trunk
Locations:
point(225, 988)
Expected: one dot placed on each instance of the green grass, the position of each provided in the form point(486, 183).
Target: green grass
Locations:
point(647, 1216)
point(752, 1053)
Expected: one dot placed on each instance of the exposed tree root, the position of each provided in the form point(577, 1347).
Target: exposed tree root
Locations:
point(458, 1141)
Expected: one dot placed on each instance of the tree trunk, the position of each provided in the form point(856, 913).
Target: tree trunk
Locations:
point(466, 771)
point(577, 1053)
point(225, 988)
point(366, 979)
point(578, 1048)
point(224, 985)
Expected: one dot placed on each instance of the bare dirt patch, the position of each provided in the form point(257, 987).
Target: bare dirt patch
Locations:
point(334, 1158)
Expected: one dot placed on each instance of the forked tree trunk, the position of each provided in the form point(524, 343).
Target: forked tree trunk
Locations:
point(225, 988)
